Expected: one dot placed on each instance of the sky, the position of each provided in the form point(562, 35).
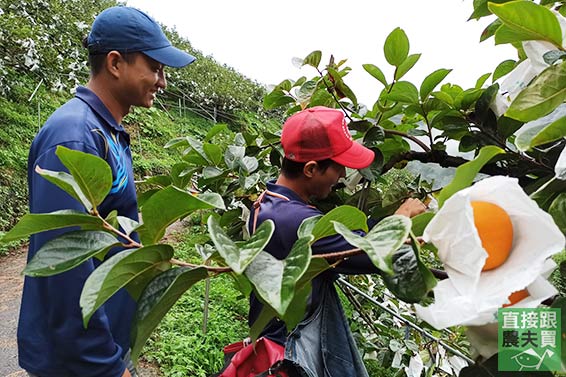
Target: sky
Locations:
point(260, 38)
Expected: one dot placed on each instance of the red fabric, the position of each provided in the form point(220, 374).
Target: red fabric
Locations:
point(248, 362)
point(319, 133)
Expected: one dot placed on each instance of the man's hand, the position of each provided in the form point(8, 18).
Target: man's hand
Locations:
point(126, 373)
point(411, 207)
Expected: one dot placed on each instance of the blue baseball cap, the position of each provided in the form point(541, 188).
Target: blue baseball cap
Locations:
point(127, 29)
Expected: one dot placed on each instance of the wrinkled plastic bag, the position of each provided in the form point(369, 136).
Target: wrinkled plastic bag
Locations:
point(470, 296)
point(520, 77)
point(560, 167)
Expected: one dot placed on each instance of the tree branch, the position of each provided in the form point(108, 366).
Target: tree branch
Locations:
point(441, 158)
point(410, 137)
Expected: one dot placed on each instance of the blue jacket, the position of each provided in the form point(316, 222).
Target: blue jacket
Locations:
point(288, 210)
point(52, 341)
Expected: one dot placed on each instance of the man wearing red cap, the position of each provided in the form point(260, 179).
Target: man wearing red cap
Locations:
point(318, 148)
point(127, 54)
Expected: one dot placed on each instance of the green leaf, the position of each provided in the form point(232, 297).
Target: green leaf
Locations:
point(233, 155)
point(277, 98)
point(503, 68)
point(481, 10)
point(558, 211)
point(213, 153)
point(313, 59)
point(177, 142)
point(67, 183)
point(157, 298)
point(303, 289)
point(529, 18)
point(211, 172)
point(92, 174)
point(541, 131)
point(466, 173)
point(506, 34)
point(159, 180)
point(267, 314)
point(169, 205)
point(431, 81)
point(483, 104)
point(275, 280)
point(306, 91)
point(396, 48)
point(403, 91)
point(545, 194)
point(490, 30)
point(180, 175)
point(298, 304)
point(128, 225)
point(68, 251)
point(321, 97)
point(307, 226)
point(144, 196)
point(341, 88)
point(251, 180)
point(411, 279)
point(542, 96)
point(35, 223)
point(420, 222)
point(507, 126)
point(381, 241)
point(117, 272)
point(215, 130)
point(197, 147)
point(376, 73)
point(481, 80)
point(350, 217)
point(238, 257)
point(444, 97)
point(345, 89)
point(467, 98)
point(406, 65)
point(248, 164)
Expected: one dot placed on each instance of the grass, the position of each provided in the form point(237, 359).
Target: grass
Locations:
point(179, 346)
point(150, 130)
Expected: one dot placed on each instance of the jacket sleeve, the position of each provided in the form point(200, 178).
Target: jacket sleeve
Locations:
point(85, 352)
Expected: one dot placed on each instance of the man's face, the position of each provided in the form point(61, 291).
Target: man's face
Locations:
point(323, 181)
point(143, 78)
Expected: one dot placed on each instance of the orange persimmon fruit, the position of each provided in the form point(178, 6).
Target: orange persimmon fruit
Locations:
point(517, 296)
point(495, 230)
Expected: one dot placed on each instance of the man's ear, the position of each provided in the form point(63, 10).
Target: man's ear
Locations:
point(309, 168)
point(114, 63)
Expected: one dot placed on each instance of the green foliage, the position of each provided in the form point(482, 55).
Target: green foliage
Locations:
point(381, 241)
point(120, 270)
point(542, 96)
point(158, 297)
point(526, 20)
point(40, 42)
point(83, 245)
point(183, 324)
point(158, 213)
point(466, 173)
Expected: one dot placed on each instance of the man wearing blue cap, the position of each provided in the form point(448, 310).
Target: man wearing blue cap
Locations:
point(127, 54)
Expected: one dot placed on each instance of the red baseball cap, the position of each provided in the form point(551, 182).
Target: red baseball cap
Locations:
point(319, 133)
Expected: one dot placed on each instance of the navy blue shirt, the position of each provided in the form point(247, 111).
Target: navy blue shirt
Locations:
point(287, 210)
point(52, 341)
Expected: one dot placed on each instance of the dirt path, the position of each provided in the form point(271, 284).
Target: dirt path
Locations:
point(11, 282)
